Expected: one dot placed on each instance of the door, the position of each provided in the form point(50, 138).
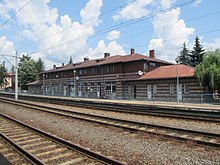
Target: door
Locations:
point(52, 89)
point(64, 90)
point(180, 93)
point(71, 90)
point(80, 91)
point(98, 91)
point(135, 91)
point(149, 92)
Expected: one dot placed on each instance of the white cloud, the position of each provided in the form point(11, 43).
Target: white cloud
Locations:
point(113, 35)
point(214, 44)
point(113, 48)
point(57, 36)
point(167, 3)
point(91, 12)
point(197, 2)
point(133, 10)
point(6, 47)
point(171, 33)
point(36, 12)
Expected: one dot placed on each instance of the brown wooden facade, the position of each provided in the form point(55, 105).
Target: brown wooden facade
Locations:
point(115, 77)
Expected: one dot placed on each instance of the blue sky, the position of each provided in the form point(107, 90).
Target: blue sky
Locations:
point(55, 30)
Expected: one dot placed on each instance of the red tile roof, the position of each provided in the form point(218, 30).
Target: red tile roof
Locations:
point(169, 71)
point(105, 61)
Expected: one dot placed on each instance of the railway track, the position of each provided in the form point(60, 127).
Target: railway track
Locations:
point(193, 114)
point(42, 148)
point(199, 137)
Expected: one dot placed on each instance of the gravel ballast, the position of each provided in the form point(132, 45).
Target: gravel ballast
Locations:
point(129, 147)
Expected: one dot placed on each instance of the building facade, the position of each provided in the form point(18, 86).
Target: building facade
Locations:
point(99, 78)
point(8, 82)
point(132, 76)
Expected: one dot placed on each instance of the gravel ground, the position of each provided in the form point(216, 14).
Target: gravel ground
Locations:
point(181, 123)
point(132, 148)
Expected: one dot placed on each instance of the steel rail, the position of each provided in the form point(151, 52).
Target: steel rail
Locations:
point(194, 115)
point(89, 153)
point(126, 124)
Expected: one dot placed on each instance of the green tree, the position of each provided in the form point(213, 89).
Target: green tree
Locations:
point(27, 71)
point(71, 60)
point(184, 55)
point(197, 53)
point(2, 75)
point(23, 58)
point(40, 65)
point(208, 72)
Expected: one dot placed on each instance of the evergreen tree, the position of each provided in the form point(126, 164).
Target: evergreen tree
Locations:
point(23, 58)
point(184, 55)
point(197, 53)
point(12, 69)
point(71, 60)
point(40, 65)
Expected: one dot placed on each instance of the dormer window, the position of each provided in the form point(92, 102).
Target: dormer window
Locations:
point(152, 64)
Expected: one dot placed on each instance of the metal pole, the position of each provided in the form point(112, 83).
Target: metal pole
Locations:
point(74, 73)
point(16, 75)
point(43, 83)
point(177, 84)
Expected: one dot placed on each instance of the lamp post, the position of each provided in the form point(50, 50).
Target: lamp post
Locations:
point(74, 73)
point(177, 80)
point(20, 84)
point(43, 82)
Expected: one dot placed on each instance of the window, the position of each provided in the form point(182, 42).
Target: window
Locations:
point(152, 64)
point(93, 71)
point(145, 67)
point(186, 88)
point(172, 88)
point(110, 87)
point(130, 89)
point(85, 71)
point(80, 71)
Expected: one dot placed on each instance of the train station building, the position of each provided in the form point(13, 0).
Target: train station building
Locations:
point(131, 76)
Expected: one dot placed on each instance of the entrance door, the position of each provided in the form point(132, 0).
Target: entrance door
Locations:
point(149, 92)
point(52, 89)
point(71, 90)
point(80, 91)
point(98, 91)
point(135, 91)
point(64, 90)
point(180, 93)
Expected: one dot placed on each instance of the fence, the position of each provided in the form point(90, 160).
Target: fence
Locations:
point(183, 98)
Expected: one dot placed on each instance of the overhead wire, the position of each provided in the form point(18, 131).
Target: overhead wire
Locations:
point(173, 39)
point(118, 26)
point(4, 5)
point(81, 22)
point(15, 14)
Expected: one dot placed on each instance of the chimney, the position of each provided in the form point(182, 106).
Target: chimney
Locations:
point(106, 55)
point(62, 64)
point(132, 51)
point(152, 54)
point(54, 66)
point(86, 59)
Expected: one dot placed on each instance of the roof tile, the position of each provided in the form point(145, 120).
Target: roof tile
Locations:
point(170, 71)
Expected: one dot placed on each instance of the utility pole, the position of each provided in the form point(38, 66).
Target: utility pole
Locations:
point(16, 75)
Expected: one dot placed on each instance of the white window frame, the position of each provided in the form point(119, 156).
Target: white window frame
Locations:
point(172, 88)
